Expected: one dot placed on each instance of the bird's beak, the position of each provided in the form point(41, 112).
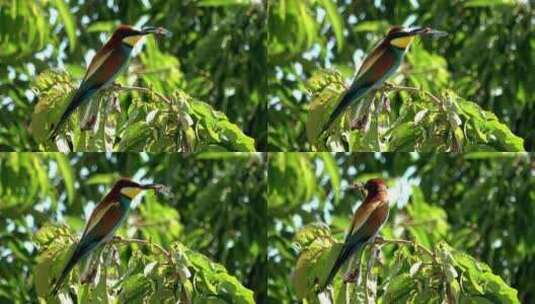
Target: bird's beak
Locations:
point(359, 187)
point(160, 31)
point(158, 187)
point(425, 31)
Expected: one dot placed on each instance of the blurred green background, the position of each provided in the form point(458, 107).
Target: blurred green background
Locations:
point(479, 203)
point(487, 58)
point(216, 55)
point(217, 208)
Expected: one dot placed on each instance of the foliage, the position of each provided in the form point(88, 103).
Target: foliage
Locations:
point(215, 55)
point(171, 275)
point(176, 123)
point(473, 208)
point(480, 61)
point(442, 124)
point(414, 274)
point(213, 221)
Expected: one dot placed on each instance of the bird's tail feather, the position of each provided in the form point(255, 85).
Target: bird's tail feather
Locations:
point(345, 253)
point(68, 267)
point(350, 96)
point(79, 253)
point(79, 97)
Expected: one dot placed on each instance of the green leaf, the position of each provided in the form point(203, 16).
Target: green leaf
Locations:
point(315, 260)
point(134, 288)
point(224, 2)
point(371, 26)
point(213, 281)
point(325, 87)
point(135, 137)
point(306, 235)
point(336, 21)
point(491, 155)
point(218, 129)
point(482, 280)
point(101, 26)
point(53, 89)
point(56, 247)
point(67, 173)
point(102, 179)
point(332, 169)
point(68, 22)
point(489, 3)
point(486, 122)
point(399, 288)
point(430, 221)
point(163, 221)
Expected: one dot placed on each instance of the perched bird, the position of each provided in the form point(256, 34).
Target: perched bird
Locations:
point(379, 65)
point(107, 216)
point(365, 226)
point(106, 66)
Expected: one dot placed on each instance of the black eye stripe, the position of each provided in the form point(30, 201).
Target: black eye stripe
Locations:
point(398, 35)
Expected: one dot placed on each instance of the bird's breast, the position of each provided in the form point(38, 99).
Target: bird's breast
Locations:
point(380, 214)
point(125, 202)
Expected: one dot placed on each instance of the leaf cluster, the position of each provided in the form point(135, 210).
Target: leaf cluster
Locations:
point(425, 123)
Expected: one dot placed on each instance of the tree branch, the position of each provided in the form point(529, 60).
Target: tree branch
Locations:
point(120, 240)
point(375, 249)
point(142, 89)
point(392, 87)
point(379, 240)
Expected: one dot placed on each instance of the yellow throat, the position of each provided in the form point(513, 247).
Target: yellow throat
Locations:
point(130, 192)
point(402, 42)
point(132, 40)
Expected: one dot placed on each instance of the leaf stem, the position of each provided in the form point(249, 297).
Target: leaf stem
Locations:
point(142, 89)
point(379, 240)
point(144, 242)
point(393, 87)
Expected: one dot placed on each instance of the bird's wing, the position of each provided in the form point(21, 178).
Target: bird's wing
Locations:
point(354, 239)
point(99, 58)
point(99, 212)
point(107, 223)
point(372, 224)
point(361, 215)
point(105, 68)
point(383, 65)
point(102, 221)
point(375, 54)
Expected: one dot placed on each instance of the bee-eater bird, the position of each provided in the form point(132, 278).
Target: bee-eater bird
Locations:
point(107, 216)
point(367, 221)
point(379, 65)
point(106, 65)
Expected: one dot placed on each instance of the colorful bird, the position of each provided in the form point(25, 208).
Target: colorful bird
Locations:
point(107, 216)
point(366, 223)
point(379, 65)
point(104, 68)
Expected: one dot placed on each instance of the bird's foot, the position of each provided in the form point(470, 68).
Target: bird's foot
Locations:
point(115, 86)
point(115, 103)
point(385, 102)
point(352, 277)
point(360, 123)
point(379, 240)
point(89, 276)
point(388, 85)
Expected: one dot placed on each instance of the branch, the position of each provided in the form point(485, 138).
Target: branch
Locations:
point(142, 89)
point(153, 71)
point(375, 248)
point(392, 87)
point(379, 240)
point(373, 255)
point(120, 240)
